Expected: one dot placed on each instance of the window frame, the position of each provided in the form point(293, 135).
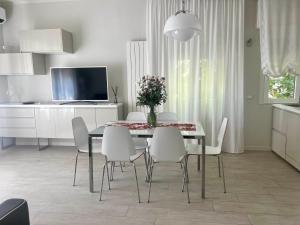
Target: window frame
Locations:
point(264, 98)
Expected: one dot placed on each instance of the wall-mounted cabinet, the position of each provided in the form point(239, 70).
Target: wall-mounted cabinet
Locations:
point(46, 41)
point(22, 64)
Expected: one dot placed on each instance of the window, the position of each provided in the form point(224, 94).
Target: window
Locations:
point(284, 89)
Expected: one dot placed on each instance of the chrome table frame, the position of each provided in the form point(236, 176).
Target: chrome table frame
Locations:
point(148, 133)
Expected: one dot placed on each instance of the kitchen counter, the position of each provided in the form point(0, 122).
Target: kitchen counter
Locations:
point(289, 108)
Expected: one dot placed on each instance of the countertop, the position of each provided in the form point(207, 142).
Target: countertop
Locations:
point(293, 109)
point(59, 105)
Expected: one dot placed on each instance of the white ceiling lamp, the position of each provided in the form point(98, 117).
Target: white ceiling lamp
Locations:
point(182, 26)
point(2, 15)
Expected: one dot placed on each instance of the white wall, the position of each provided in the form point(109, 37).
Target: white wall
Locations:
point(258, 117)
point(100, 30)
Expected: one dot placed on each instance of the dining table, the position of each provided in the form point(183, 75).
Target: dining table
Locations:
point(137, 129)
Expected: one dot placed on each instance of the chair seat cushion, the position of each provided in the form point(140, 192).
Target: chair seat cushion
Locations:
point(194, 149)
point(14, 212)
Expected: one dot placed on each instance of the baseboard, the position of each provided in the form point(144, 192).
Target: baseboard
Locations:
point(258, 148)
point(43, 141)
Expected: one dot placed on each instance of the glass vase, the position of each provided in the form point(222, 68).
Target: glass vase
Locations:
point(151, 119)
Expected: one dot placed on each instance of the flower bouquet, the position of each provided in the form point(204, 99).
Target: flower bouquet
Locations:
point(152, 93)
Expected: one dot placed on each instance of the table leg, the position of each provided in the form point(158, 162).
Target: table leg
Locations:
point(203, 167)
point(91, 170)
point(198, 157)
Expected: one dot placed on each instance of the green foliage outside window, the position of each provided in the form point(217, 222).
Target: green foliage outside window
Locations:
point(282, 87)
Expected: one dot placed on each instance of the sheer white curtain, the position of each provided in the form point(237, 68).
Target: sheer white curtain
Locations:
point(204, 75)
point(279, 36)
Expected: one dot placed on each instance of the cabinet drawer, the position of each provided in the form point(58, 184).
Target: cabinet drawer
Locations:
point(18, 132)
point(17, 123)
point(16, 112)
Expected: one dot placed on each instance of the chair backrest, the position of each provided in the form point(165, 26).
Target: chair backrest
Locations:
point(222, 132)
point(117, 144)
point(136, 116)
point(167, 116)
point(167, 144)
point(80, 132)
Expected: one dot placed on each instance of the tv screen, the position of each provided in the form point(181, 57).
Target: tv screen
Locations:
point(79, 84)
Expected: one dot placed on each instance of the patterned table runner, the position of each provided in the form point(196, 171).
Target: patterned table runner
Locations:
point(143, 126)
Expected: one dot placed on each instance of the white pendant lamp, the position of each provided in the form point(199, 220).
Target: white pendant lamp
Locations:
point(182, 26)
point(2, 15)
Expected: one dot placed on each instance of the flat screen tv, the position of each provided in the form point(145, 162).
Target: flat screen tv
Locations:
point(79, 84)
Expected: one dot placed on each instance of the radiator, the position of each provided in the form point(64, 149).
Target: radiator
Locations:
point(136, 68)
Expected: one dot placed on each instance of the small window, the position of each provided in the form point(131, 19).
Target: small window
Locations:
point(284, 89)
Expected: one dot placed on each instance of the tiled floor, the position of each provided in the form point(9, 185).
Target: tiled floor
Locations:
point(262, 190)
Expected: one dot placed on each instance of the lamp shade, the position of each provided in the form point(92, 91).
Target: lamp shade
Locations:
point(182, 26)
point(2, 15)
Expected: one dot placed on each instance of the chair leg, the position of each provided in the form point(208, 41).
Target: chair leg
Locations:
point(186, 179)
point(223, 174)
point(103, 173)
point(183, 176)
point(137, 183)
point(187, 169)
point(150, 181)
point(106, 165)
point(121, 166)
point(219, 166)
point(75, 169)
point(112, 168)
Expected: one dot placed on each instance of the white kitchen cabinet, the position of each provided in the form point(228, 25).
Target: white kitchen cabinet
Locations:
point(63, 122)
point(293, 140)
point(286, 133)
point(88, 115)
point(280, 120)
point(279, 143)
point(45, 122)
point(22, 64)
point(16, 122)
point(53, 120)
point(46, 41)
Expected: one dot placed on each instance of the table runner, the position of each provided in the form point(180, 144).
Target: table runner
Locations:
point(143, 126)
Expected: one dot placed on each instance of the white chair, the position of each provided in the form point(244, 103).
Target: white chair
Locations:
point(140, 143)
point(168, 146)
point(167, 117)
point(136, 116)
point(194, 149)
point(80, 133)
point(117, 145)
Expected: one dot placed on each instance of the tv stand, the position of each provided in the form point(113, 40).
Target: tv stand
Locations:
point(51, 120)
point(79, 103)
